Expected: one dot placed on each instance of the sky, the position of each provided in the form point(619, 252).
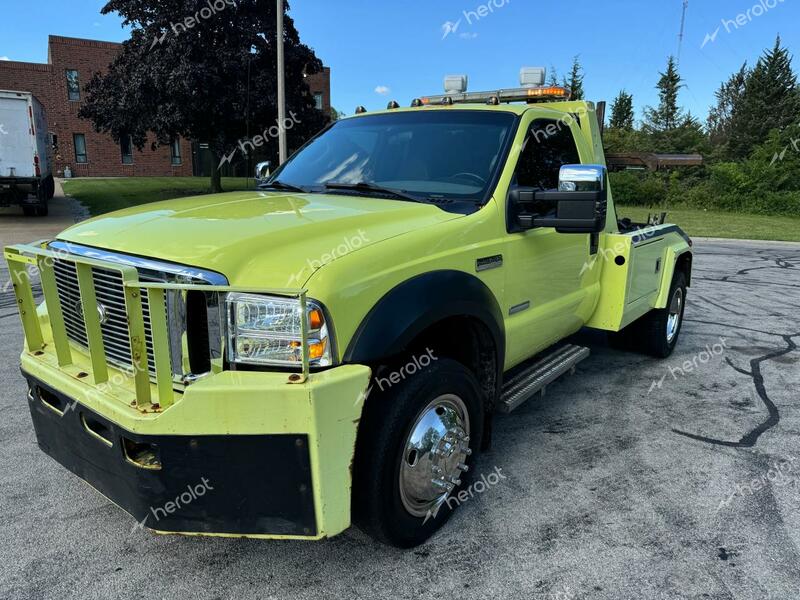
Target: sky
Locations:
point(381, 51)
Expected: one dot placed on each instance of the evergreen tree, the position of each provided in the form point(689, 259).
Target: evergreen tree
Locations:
point(668, 128)
point(553, 76)
point(770, 101)
point(575, 81)
point(668, 115)
point(622, 114)
point(729, 96)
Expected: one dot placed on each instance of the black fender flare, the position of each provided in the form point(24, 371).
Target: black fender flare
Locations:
point(418, 303)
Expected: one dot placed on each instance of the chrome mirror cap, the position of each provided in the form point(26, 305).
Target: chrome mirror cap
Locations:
point(263, 170)
point(582, 178)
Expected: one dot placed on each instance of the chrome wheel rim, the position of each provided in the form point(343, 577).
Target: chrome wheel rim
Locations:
point(434, 455)
point(675, 314)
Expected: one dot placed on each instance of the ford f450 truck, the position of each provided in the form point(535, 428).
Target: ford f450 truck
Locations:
point(330, 349)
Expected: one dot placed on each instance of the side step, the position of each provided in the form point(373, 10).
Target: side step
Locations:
point(524, 386)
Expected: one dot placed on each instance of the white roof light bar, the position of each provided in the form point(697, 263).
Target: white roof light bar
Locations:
point(525, 94)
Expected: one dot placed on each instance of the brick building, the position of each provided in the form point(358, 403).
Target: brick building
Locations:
point(58, 85)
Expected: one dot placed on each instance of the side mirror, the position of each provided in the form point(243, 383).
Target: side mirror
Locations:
point(579, 205)
point(263, 170)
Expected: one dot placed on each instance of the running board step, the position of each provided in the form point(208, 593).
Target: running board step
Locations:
point(525, 385)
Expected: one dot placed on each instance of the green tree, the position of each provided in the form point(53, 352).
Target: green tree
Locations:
point(729, 96)
point(575, 80)
point(770, 101)
point(553, 80)
point(622, 113)
point(184, 72)
point(668, 128)
point(668, 115)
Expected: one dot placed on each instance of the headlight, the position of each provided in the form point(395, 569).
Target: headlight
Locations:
point(265, 330)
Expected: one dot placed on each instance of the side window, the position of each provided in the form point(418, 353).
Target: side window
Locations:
point(73, 87)
point(549, 146)
point(79, 141)
point(126, 149)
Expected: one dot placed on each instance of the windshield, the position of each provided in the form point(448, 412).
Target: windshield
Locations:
point(431, 155)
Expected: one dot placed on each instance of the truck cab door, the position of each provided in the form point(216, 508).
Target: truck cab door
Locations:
point(551, 289)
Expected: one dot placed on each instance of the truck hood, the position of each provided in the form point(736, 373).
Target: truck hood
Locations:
point(262, 239)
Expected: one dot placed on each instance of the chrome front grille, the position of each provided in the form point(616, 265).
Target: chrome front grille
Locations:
point(111, 302)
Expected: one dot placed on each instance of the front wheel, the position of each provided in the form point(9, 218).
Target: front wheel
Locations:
point(417, 441)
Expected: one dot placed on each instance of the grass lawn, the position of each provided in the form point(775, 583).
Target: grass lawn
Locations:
point(105, 195)
point(701, 223)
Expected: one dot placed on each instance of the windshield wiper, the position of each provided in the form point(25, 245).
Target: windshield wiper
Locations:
point(364, 186)
point(280, 185)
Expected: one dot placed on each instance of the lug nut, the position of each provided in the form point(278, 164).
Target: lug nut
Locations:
point(455, 481)
point(462, 467)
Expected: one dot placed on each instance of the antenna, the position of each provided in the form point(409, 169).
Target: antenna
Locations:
point(683, 29)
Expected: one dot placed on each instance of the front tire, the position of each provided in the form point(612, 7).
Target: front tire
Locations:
point(417, 440)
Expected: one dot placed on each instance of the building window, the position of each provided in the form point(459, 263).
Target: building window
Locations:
point(73, 86)
point(318, 100)
point(126, 147)
point(175, 152)
point(79, 140)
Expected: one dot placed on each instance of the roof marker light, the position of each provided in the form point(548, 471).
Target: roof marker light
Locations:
point(360, 110)
point(393, 105)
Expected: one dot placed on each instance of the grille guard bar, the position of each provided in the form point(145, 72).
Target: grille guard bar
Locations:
point(22, 257)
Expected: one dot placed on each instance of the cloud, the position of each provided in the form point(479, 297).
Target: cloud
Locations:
point(382, 90)
point(4, 58)
point(468, 35)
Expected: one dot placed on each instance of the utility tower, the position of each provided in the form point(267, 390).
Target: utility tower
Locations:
point(683, 29)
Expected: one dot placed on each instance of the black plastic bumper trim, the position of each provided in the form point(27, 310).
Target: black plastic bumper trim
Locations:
point(227, 484)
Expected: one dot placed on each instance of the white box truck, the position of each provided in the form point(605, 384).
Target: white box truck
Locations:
point(26, 175)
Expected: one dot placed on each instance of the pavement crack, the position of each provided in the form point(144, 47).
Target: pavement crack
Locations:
point(751, 439)
point(719, 306)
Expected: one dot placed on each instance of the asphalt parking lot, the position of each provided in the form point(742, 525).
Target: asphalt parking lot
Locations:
point(634, 478)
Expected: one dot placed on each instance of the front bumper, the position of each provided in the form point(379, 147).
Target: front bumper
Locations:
point(276, 448)
point(241, 454)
